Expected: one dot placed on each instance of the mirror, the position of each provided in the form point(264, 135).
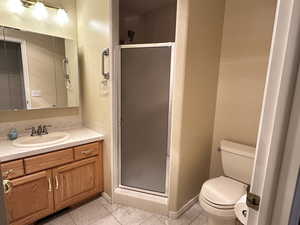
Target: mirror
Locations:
point(37, 71)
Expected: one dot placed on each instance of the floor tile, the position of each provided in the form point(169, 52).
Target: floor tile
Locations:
point(110, 207)
point(193, 212)
point(188, 217)
point(179, 221)
point(101, 212)
point(156, 220)
point(201, 220)
point(62, 218)
point(131, 216)
point(110, 220)
point(89, 213)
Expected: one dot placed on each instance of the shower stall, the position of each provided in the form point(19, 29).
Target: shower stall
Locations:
point(143, 49)
point(144, 116)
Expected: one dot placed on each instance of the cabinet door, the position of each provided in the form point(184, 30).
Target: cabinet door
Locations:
point(31, 198)
point(76, 181)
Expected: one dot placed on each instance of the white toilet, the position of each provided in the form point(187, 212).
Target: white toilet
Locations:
point(218, 196)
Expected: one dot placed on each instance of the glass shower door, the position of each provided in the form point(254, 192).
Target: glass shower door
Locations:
point(145, 97)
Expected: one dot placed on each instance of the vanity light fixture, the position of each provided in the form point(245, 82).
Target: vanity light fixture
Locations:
point(39, 11)
point(62, 17)
point(15, 6)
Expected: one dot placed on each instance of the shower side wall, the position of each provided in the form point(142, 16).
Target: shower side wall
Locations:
point(198, 43)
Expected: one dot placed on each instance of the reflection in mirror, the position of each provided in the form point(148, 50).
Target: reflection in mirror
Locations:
point(37, 71)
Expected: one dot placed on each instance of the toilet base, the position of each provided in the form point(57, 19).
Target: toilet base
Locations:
point(216, 221)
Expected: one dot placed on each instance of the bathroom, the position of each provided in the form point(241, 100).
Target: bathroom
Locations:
point(92, 133)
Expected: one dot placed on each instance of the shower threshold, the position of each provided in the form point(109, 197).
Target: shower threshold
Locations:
point(141, 200)
point(143, 191)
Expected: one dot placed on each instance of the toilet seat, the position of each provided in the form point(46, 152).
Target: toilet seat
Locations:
point(218, 197)
point(217, 212)
point(221, 207)
point(222, 192)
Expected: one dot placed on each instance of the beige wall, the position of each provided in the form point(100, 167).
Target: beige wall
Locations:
point(26, 22)
point(198, 41)
point(93, 37)
point(13, 116)
point(246, 43)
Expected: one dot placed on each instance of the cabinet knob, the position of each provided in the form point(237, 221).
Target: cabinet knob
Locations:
point(87, 152)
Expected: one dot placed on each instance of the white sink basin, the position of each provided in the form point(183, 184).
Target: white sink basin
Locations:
point(39, 141)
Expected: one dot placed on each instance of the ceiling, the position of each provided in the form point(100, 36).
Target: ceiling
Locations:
point(138, 7)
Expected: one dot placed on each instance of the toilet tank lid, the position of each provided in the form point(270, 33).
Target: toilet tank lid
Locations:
point(238, 149)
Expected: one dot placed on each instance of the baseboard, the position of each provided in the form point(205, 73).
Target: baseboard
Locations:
point(106, 197)
point(183, 209)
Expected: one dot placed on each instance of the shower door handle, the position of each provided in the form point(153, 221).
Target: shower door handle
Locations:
point(105, 53)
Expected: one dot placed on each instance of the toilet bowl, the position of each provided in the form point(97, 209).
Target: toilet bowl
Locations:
point(219, 195)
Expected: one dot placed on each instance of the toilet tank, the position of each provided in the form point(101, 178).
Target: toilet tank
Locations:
point(237, 160)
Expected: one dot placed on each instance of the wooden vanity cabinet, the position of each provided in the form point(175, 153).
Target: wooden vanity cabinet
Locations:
point(41, 162)
point(54, 181)
point(12, 169)
point(76, 181)
point(30, 199)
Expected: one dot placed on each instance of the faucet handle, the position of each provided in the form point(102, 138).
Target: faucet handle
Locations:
point(45, 130)
point(33, 131)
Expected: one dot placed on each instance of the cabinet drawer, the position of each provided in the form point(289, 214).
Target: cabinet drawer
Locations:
point(85, 151)
point(42, 162)
point(12, 169)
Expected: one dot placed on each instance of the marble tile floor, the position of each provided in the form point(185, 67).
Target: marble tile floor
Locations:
point(100, 212)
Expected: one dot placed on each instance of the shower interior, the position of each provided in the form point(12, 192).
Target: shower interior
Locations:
point(145, 55)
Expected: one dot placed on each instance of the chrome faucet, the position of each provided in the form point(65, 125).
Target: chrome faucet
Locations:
point(41, 130)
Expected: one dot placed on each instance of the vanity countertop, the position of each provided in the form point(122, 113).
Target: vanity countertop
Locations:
point(77, 137)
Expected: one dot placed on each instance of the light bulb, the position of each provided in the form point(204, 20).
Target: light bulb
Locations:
point(15, 6)
point(62, 17)
point(39, 11)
